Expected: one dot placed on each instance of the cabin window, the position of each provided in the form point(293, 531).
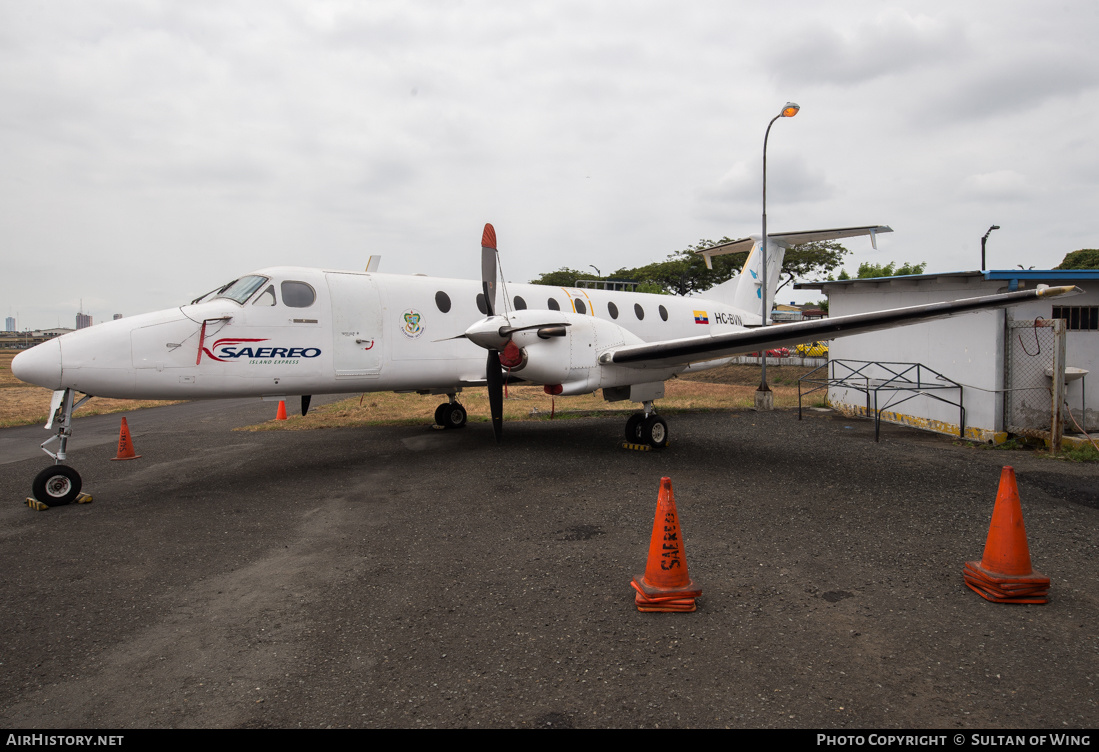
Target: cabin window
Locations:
point(663, 313)
point(520, 304)
point(639, 311)
point(481, 305)
point(298, 294)
point(442, 301)
point(612, 309)
point(553, 305)
point(266, 298)
point(579, 305)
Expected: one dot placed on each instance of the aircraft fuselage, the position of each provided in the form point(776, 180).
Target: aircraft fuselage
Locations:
point(312, 331)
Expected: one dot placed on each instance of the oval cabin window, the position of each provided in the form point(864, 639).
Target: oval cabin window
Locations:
point(442, 301)
point(612, 309)
point(553, 306)
point(580, 307)
point(663, 313)
point(639, 311)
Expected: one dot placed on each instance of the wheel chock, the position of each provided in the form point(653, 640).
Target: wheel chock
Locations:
point(639, 447)
point(38, 506)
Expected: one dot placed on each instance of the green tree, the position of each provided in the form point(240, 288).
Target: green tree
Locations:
point(1085, 258)
point(870, 271)
point(563, 277)
point(685, 272)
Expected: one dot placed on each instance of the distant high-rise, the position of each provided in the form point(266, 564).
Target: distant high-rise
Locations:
point(9, 324)
point(83, 320)
point(117, 316)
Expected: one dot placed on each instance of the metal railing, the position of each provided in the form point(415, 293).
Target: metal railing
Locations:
point(871, 377)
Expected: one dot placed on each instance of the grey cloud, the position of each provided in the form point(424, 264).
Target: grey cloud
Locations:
point(834, 54)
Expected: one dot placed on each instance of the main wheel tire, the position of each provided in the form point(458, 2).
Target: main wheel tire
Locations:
point(442, 413)
point(633, 428)
point(655, 432)
point(456, 418)
point(57, 486)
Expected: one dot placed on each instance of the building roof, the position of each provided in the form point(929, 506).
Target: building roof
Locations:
point(1013, 275)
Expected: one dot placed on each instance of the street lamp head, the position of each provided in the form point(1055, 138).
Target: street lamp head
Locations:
point(790, 109)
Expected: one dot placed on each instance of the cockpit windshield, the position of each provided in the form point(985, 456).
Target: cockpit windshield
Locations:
point(239, 289)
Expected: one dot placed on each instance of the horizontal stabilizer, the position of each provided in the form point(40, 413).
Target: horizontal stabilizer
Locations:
point(788, 239)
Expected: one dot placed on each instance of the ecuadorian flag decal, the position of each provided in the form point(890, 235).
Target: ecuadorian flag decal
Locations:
point(701, 317)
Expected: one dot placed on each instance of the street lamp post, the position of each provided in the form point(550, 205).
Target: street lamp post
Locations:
point(984, 239)
point(764, 398)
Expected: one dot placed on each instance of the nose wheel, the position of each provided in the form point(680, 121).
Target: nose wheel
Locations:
point(56, 486)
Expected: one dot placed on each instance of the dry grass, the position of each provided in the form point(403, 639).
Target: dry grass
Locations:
point(25, 404)
point(720, 389)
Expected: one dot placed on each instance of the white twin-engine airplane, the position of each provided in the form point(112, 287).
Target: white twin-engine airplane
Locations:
point(289, 331)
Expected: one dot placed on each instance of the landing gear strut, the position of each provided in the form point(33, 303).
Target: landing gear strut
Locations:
point(450, 414)
point(59, 485)
point(647, 428)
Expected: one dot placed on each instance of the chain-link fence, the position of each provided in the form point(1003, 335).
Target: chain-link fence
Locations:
point(1034, 379)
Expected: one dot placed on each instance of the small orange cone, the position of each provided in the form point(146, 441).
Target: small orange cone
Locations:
point(1004, 574)
point(666, 585)
point(281, 414)
point(125, 445)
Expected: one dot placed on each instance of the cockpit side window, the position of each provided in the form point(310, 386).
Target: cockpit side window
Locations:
point(266, 298)
point(298, 294)
point(242, 289)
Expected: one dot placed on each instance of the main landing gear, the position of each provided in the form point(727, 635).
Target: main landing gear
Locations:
point(450, 414)
point(647, 428)
point(59, 485)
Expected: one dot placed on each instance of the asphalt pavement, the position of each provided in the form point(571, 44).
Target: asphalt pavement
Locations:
point(414, 577)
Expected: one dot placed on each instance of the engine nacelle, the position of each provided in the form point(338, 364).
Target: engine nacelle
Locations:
point(572, 360)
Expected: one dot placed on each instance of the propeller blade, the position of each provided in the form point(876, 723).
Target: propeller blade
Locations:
point(488, 268)
point(305, 404)
point(495, 392)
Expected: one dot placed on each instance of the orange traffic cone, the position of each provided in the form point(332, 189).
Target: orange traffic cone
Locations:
point(665, 586)
point(125, 445)
point(1004, 574)
point(281, 414)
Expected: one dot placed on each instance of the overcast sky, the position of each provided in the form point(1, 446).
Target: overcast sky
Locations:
point(152, 150)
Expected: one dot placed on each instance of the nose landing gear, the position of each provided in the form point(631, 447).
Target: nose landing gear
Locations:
point(59, 485)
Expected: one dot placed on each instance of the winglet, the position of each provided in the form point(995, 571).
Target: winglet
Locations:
point(488, 238)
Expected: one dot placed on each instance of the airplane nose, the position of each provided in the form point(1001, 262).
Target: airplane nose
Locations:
point(41, 365)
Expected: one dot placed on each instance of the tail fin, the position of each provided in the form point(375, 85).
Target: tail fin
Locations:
point(746, 291)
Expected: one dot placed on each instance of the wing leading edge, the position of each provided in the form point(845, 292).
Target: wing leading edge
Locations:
point(709, 347)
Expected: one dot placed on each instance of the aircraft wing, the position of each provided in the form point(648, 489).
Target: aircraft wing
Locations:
point(708, 347)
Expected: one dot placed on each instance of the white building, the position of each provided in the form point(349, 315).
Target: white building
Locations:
point(974, 350)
